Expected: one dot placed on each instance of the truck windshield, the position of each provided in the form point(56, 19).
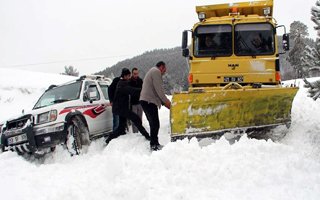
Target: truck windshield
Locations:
point(254, 39)
point(213, 41)
point(59, 94)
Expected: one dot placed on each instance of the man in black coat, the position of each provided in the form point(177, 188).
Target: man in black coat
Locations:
point(121, 107)
point(111, 92)
point(136, 81)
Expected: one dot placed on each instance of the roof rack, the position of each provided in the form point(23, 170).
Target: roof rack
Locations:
point(92, 77)
point(107, 79)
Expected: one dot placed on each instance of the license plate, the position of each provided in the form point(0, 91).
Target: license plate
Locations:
point(17, 139)
point(233, 79)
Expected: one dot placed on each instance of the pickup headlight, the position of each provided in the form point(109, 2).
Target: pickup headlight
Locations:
point(47, 117)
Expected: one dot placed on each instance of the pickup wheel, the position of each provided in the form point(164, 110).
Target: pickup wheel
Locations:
point(77, 138)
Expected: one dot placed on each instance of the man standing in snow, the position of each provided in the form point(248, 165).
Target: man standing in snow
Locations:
point(121, 107)
point(136, 82)
point(151, 98)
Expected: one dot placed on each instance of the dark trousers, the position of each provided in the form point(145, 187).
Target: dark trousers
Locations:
point(121, 130)
point(151, 112)
point(115, 121)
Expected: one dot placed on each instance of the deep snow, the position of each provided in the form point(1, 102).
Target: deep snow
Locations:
point(126, 169)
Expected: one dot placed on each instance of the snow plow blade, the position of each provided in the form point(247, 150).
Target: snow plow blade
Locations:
point(205, 112)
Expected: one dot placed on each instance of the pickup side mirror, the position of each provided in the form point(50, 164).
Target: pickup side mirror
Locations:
point(184, 46)
point(285, 42)
point(91, 93)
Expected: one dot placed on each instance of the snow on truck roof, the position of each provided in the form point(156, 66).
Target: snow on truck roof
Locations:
point(256, 7)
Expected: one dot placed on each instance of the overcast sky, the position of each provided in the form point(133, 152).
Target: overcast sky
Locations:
point(46, 35)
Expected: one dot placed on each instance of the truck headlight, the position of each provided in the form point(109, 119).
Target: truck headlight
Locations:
point(47, 116)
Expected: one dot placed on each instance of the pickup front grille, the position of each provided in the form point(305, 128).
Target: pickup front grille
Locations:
point(18, 123)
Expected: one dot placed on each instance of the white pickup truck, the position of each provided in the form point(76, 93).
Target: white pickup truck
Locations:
point(71, 114)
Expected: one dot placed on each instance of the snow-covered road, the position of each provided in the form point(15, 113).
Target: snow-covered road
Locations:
point(126, 169)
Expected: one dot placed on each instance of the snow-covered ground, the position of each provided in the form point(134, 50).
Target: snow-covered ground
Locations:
point(126, 169)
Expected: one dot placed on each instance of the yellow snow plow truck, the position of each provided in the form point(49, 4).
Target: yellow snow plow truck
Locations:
point(234, 73)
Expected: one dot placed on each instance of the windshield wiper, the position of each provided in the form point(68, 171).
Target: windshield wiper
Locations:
point(53, 102)
point(39, 107)
point(60, 100)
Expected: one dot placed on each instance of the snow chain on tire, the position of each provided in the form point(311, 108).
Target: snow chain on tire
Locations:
point(79, 133)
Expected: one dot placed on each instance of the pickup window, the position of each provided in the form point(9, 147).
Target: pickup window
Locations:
point(213, 41)
point(104, 87)
point(254, 39)
point(59, 94)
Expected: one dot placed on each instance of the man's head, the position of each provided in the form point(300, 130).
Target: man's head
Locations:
point(209, 41)
point(162, 67)
point(135, 73)
point(125, 74)
point(257, 40)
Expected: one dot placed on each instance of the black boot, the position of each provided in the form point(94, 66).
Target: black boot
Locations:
point(156, 147)
point(147, 137)
point(108, 139)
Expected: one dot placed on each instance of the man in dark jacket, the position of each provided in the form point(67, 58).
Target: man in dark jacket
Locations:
point(111, 92)
point(136, 82)
point(121, 107)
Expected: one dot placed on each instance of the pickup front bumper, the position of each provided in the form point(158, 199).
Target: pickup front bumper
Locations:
point(31, 139)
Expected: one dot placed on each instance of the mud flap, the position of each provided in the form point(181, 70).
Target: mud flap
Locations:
point(210, 111)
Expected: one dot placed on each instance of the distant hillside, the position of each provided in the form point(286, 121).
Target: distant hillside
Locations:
point(177, 70)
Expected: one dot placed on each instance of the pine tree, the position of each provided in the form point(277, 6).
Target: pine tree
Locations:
point(312, 54)
point(298, 34)
point(70, 71)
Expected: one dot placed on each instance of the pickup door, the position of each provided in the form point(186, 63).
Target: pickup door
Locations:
point(98, 113)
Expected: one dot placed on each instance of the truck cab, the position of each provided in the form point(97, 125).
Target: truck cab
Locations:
point(234, 43)
point(234, 73)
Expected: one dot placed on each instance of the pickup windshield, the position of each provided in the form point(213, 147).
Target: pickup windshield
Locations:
point(254, 39)
point(59, 94)
point(213, 41)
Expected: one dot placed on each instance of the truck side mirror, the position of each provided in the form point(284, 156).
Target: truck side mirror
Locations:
point(285, 42)
point(184, 46)
point(185, 52)
point(184, 39)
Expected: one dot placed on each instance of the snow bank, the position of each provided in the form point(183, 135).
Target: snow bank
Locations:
point(126, 169)
point(21, 89)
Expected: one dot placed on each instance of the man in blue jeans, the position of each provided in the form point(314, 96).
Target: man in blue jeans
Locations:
point(151, 98)
point(111, 92)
